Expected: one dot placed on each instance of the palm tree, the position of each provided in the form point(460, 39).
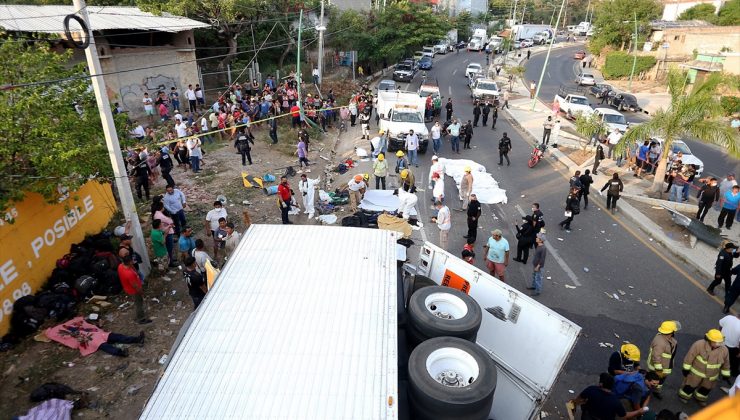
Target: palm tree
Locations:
point(588, 126)
point(690, 114)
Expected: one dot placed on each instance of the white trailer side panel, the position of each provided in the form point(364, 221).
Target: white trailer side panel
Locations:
point(301, 324)
point(528, 341)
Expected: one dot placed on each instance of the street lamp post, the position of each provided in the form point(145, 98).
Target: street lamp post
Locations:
point(634, 60)
point(547, 58)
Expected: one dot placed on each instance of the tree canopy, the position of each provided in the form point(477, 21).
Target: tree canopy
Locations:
point(704, 11)
point(615, 21)
point(46, 142)
point(728, 15)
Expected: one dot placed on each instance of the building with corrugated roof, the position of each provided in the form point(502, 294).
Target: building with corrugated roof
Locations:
point(139, 52)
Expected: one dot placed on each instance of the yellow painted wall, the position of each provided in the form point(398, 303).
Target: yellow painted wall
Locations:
point(41, 233)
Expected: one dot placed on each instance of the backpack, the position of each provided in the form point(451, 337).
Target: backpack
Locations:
point(623, 383)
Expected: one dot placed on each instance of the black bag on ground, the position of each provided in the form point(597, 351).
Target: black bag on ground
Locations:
point(51, 390)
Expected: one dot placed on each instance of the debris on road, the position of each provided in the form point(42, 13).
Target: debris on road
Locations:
point(568, 286)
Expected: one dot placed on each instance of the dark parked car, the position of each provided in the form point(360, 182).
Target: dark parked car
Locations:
point(624, 102)
point(425, 63)
point(600, 89)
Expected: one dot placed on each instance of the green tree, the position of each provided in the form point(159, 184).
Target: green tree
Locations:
point(703, 11)
point(589, 125)
point(402, 28)
point(694, 114)
point(463, 24)
point(46, 142)
point(231, 19)
point(615, 20)
point(729, 14)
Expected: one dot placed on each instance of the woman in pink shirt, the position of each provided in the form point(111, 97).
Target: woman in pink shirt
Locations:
point(168, 227)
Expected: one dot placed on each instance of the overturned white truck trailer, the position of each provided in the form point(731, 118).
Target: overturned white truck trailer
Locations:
point(304, 323)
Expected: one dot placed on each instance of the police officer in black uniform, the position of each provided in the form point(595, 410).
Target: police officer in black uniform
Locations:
point(504, 147)
point(486, 110)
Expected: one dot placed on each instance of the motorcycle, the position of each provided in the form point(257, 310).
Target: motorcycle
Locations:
point(537, 153)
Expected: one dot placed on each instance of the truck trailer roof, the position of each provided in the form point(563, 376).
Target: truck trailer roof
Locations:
point(301, 323)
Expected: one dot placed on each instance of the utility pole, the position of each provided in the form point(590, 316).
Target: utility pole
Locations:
point(111, 139)
point(547, 58)
point(511, 36)
point(321, 30)
point(634, 60)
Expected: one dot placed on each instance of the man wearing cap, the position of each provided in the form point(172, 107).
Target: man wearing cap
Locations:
point(626, 360)
point(723, 267)
point(497, 255)
point(356, 187)
point(444, 223)
point(466, 187)
point(408, 181)
point(706, 361)
point(436, 168)
point(662, 352)
point(380, 171)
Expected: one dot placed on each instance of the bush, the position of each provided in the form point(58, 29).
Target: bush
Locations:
point(619, 64)
point(730, 104)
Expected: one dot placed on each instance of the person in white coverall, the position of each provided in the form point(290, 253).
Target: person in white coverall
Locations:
point(307, 188)
point(407, 202)
point(436, 168)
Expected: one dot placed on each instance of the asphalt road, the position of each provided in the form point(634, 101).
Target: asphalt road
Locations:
point(601, 256)
point(562, 69)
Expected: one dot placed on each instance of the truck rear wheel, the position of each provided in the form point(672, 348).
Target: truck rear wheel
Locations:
point(439, 311)
point(451, 378)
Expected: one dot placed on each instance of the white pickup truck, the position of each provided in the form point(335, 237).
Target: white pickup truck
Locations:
point(573, 102)
point(347, 331)
point(399, 113)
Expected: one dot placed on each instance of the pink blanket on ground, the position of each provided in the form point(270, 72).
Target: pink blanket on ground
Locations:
point(78, 334)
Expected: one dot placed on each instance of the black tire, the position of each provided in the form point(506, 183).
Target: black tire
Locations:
point(431, 399)
point(83, 28)
point(464, 311)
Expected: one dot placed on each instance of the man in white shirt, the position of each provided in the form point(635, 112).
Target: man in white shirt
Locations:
point(138, 132)
point(436, 137)
point(412, 146)
point(192, 100)
point(356, 187)
point(148, 107)
point(407, 201)
point(612, 140)
point(730, 326)
point(454, 130)
point(196, 154)
point(204, 129)
point(181, 128)
point(443, 222)
point(437, 168)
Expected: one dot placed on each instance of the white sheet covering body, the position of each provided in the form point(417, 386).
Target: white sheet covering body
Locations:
point(484, 186)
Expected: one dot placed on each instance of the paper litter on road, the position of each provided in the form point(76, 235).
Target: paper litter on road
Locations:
point(631, 287)
point(616, 335)
point(549, 277)
point(568, 286)
point(485, 186)
point(571, 391)
point(621, 292)
point(585, 269)
point(561, 239)
point(615, 296)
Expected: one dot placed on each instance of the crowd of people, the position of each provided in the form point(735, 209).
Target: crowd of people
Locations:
point(626, 389)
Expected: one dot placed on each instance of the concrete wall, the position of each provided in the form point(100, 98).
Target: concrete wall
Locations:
point(352, 4)
point(673, 8)
point(683, 41)
point(128, 87)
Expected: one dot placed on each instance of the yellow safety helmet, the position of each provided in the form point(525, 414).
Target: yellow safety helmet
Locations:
point(399, 153)
point(381, 132)
point(468, 169)
point(366, 177)
point(358, 178)
point(631, 352)
point(381, 157)
point(404, 173)
point(715, 336)
point(669, 327)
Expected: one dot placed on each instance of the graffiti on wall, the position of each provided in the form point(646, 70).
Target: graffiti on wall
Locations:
point(131, 95)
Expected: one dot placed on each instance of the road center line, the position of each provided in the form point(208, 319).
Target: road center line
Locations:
point(454, 72)
point(561, 262)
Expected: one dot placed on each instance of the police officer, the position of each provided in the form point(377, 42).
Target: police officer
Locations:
point(723, 267)
point(141, 173)
point(494, 117)
point(486, 110)
point(243, 147)
point(504, 147)
point(476, 113)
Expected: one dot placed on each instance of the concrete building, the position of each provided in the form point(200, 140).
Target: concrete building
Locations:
point(141, 52)
point(353, 4)
point(455, 7)
point(672, 9)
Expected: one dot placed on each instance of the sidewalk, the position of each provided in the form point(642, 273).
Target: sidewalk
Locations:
point(677, 240)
